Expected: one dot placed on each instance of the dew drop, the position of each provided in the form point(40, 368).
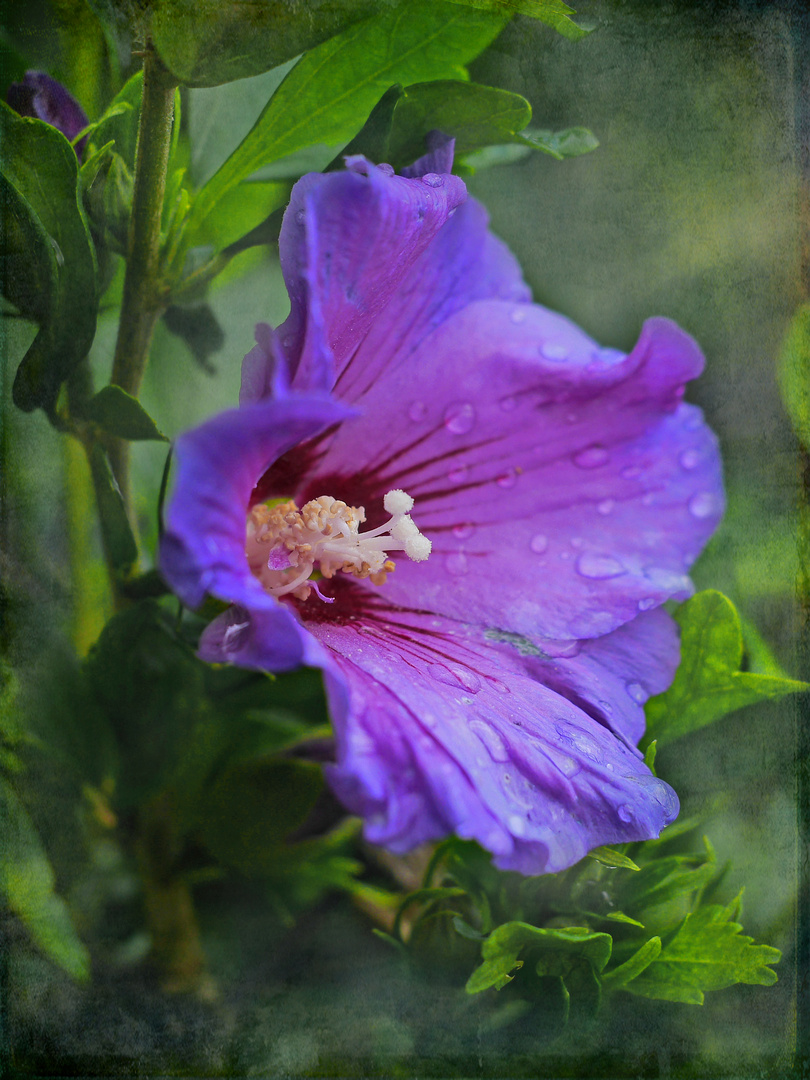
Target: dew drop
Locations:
point(508, 404)
point(599, 567)
point(507, 479)
point(457, 564)
point(624, 813)
point(455, 476)
point(571, 417)
point(648, 499)
point(647, 603)
point(630, 472)
point(496, 684)
point(433, 180)
point(491, 740)
point(577, 541)
point(553, 350)
point(463, 531)
point(591, 457)
point(636, 692)
point(417, 411)
point(703, 505)
point(605, 507)
point(518, 314)
point(568, 766)
point(693, 421)
point(287, 342)
point(516, 825)
point(459, 418)
point(386, 169)
point(562, 650)
point(538, 543)
point(689, 459)
point(300, 216)
point(606, 707)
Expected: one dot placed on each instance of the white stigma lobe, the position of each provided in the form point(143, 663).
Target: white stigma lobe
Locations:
point(285, 545)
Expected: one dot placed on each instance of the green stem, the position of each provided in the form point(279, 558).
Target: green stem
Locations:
point(142, 294)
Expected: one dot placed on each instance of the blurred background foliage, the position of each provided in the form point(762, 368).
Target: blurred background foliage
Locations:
point(688, 209)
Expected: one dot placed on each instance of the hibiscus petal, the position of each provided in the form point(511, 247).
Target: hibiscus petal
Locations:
point(266, 640)
point(439, 731)
point(217, 464)
point(565, 488)
point(348, 242)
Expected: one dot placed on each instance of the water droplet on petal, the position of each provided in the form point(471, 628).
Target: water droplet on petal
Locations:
point(568, 766)
point(518, 314)
point(508, 403)
point(562, 650)
point(300, 216)
point(636, 692)
point(417, 411)
point(287, 342)
point(647, 603)
point(386, 169)
point(624, 813)
point(605, 507)
point(648, 499)
point(507, 479)
point(591, 457)
point(491, 739)
point(455, 476)
point(703, 505)
point(457, 564)
point(599, 567)
point(630, 472)
point(463, 531)
point(538, 543)
point(554, 350)
point(571, 417)
point(577, 541)
point(693, 421)
point(459, 418)
point(689, 459)
point(516, 825)
point(433, 180)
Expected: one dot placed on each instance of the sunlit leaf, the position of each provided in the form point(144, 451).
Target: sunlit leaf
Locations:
point(331, 90)
point(708, 683)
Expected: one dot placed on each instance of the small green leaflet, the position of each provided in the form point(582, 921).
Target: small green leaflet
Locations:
point(632, 968)
point(328, 94)
point(709, 683)
point(118, 413)
point(609, 857)
point(116, 532)
point(553, 13)
point(41, 165)
point(794, 373)
point(27, 882)
point(503, 946)
point(707, 953)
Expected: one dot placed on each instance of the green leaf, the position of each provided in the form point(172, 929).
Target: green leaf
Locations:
point(27, 881)
point(249, 810)
point(571, 142)
point(474, 115)
point(209, 42)
point(503, 946)
point(608, 857)
point(373, 137)
point(120, 414)
point(794, 373)
point(240, 210)
point(119, 123)
point(40, 164)
point(553, 13)
point(28, 269)
point(116, 532)
point(708, 683)
point(707, 953)
point(619, 916)
point(199, 328)
point(663, 880)
point(329, 92)
point(633, 967)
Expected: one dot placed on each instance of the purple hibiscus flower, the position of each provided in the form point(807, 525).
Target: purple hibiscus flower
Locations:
point(43, 98)
point(539, 498)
